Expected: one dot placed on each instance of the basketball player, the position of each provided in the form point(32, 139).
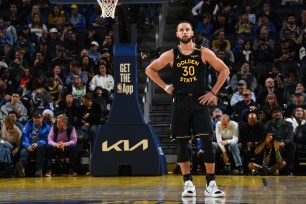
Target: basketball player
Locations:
point(191, 114)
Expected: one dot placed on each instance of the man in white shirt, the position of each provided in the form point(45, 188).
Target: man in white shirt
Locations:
point(227, 132)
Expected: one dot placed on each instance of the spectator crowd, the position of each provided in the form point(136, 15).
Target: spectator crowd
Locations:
point(262, 103)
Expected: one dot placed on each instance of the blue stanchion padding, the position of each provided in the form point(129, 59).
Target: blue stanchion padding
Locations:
point(126, 145)
point(130, 146)
point(125, 107)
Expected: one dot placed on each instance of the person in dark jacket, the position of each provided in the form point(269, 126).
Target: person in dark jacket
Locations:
point(282, 131)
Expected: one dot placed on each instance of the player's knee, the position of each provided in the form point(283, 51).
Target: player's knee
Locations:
point(183, 154)
point(209, 153)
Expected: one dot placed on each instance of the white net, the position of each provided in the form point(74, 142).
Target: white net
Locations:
point(108, 7)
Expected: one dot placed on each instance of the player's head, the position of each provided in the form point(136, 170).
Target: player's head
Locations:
point(184, 32)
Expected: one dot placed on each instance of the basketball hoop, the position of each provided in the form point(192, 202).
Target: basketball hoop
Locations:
point(108, 8)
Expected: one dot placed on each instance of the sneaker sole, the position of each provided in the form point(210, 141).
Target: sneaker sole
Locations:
point(220, 195)
point(189, 194)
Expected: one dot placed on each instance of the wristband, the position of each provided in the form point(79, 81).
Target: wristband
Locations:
point(167, 86)
point(211, 91)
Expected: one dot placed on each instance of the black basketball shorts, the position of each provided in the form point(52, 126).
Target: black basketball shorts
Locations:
point(189, 117)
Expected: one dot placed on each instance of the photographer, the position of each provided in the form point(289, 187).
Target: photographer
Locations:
point(283, 132)
point(269, 153)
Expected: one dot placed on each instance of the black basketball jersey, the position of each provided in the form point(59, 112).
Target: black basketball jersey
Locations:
point(189, 72)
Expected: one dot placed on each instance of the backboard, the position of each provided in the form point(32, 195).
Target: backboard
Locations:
point(95, 2)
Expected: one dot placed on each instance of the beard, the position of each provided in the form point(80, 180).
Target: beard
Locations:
point(185, 41)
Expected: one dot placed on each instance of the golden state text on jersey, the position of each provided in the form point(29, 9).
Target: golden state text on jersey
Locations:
point(189, 72)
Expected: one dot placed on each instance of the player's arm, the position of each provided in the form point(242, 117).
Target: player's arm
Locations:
point(210, 57)
point(165, 59)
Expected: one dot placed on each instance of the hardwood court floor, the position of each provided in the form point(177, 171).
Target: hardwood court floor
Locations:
point(149, 190)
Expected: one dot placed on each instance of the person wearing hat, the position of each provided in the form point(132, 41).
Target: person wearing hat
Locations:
point(246, 75)
point(76, 19)
point(245, 106)
point(238, 96)
point(34, 140)
point(282, 131)
point(298, 100)
point(94, 52)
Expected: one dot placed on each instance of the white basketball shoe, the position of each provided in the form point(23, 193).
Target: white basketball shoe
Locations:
point(212, 190)
point(189, 189)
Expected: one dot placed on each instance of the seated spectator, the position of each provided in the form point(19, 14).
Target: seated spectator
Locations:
point(204, 6)
point(69, 108)
point(10, 136)
point(58, 75)
point(55, 15)
point(14, 116)
point(246, 54)
point(299, 87)
point(239, 44)
point(244, 25)
point(221, 41)
point(269, 88)
point(104, 80)
point(40, 65)
point(263, 46)
point(297, 101)
point(227, 133)
point(269, 159)
point(73, 43)
point(250, 134)
point(15, 14)
point(102, 97)
point(36, 11)
point(266, 110)
point(62, 139)
point(34, 139)
point(41, 99)
point(5, 37)
point(282, 131)
point(75, 70)
point(91, 36)
point(246, 75)
point(107, 43)
point(244, 107)
point(222, 24)
point(205, 26)
point(38, 28)
point(63, 61)
point(286, 52)
point(78, 89)
point(6, 77)
point(76, 19)
point(94, 53)
point(10, 28)
point(53, 88)
point(16, 105)
point(200, 40)
point(216, 117)
point(87, 65)
point(263, 22)
point(291, 26)
point(48, 117)
point(238, 95)
point(297, 118)
point(90, 115)
point(248, 8)
point(18, 65)
point(226, 56)
point(269, 13)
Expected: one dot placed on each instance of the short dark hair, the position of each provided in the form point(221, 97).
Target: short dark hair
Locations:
point(184, 22)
